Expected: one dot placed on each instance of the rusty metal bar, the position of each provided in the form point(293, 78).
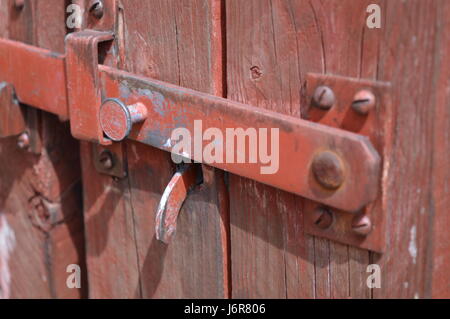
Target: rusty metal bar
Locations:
point(38, 76)
point(311, 156)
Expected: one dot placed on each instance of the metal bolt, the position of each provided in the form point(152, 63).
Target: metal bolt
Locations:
point(361, 225)
point(328, 170)
point(23, 141)
point(322, 217)
point(324, 97)
point(363, 102)
point(96, 9)
point(106, 159)
point(117, 119)
point(19, 4)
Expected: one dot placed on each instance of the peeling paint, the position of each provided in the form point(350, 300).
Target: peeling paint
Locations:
point(7, 244)
point(168, 143)
point(412, 244)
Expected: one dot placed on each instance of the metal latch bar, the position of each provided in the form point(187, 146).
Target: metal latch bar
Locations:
point(307, 151)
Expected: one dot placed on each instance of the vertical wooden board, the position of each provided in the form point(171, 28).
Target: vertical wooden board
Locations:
point(178, 42)
point(440, 241)
point(271, 46)
point(270, 254)
point(40, 199)
point(414, 35)
point(110, 232)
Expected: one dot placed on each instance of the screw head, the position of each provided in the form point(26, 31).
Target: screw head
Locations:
point(96, 9)
point(23, 141)
point(19, 4)
point(322, 217)
point(363, 102)
point(328, 170)
point(106, 159)
point(361, 225)
point(324, 97)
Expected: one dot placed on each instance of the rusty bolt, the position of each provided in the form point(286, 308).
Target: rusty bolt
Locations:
point(96, 9)
point(361, 225)
point(363, 102)
point(322, 217)
point(19, 4)
point(106, 159)
point(328, 170)
point(324, 97)
point(117, 119)
point(23, 141)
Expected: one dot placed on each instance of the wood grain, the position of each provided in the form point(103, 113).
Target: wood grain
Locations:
point(178, 42)
point(271, 45)
point(40, 194)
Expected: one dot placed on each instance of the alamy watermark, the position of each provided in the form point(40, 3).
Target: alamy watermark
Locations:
point(374, 279)
point(374, 19)
point(235, 145)
point(74, 279)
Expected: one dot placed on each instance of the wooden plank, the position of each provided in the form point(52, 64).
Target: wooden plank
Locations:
point(40, 203)
point(178, 42)
point(440, 242)
point(412, 58)
point(270, 254)
point(271, 47)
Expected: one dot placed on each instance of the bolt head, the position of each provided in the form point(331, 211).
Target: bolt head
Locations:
point(324, 97)
point(23, 141)
point(115, 119)
point(362, 225)
point(19, 4)
point(363, 102)
point(322, 217)
point(328, 170)
point(106, 159)
point(96, 9)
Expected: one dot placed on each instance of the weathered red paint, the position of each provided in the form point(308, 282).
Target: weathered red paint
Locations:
point(116, 119)
point(83, 84)
point(38, 76)
point(375, 124)
point(12, 120)
point(170, 106)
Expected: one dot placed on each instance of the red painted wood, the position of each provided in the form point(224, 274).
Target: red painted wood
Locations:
point(40, 205)
point(177, 42)
point(235, 237)
point(271, 46)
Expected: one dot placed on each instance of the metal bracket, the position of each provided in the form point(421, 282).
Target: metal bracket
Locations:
point(362, 107)
point(333, 166)
point(109, 159)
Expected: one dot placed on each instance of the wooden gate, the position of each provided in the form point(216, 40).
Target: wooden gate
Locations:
point(60, 205)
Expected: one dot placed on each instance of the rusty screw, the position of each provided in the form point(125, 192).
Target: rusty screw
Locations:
point(23, 141)
point(322, 217)
point(96, 9)
point(106, 159)
point(324, 97)
point(363, 102)
point(361, 225)
point(117, 119)
point(327, 169)
point(19, 4)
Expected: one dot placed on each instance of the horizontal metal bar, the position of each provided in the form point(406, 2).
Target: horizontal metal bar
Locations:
point(38, 75)
point(40, 80)
point(170, 107)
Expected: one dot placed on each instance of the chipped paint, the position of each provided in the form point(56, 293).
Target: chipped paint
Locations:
point(168, 143)
point(412, 244)
point(7, 244)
